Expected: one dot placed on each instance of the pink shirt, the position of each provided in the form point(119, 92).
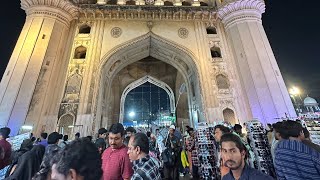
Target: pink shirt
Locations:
point(116, 164)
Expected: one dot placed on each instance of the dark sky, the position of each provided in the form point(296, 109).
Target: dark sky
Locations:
point(292, 27)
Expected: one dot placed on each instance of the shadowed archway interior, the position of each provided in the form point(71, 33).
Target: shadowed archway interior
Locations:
point(149, 55)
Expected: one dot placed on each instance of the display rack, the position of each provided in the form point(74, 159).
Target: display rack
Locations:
point(258, 141)
point(313, 127)
point(205, 145)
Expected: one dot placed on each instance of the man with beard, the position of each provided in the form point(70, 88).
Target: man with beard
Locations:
point(234, 153)
point(116, 164)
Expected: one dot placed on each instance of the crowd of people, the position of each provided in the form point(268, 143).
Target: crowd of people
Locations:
point(119, 153)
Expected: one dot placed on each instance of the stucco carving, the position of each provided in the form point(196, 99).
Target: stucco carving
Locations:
point(215, 44)
point(150, 25)
point(226, 103)
point(235, 11)
point(183, 33)
point(116, 32)
point(224, 91)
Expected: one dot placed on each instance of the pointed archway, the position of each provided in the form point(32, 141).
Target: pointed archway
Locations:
point(132, 51)
point(141, 81)
point(229, 116)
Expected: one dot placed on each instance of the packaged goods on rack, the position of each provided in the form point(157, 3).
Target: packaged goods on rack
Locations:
point(313, 127)
point(205, 145)
point(260, 147)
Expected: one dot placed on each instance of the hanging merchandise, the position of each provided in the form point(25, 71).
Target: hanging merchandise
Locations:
point(259, 143)
point(205, 145)
point(313, 127)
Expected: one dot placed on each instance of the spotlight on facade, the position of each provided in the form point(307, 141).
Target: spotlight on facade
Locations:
point(132, 114)
point(26, 127)
point(72, 126)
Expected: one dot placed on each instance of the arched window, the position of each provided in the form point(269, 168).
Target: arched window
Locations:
point(203, 4)
point(131, 2)
point(80, 52)
point(84, 29)
point(222, 81)
point(168, 3)
point(185, 3)
point(229, 116)
point(211, 30)
point(112, 2)
point(215, 52)
point(65, 123)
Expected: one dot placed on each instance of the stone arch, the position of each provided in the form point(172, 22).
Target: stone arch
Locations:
point(141, 81)
point(215, 52)
point(65, 121)
point(131, 2)
point(186, 3)
point(80, 52)
point(84, 29)
point(229, 116)
point(203, 3)
point(211, 30)
point(168, 3)
point(141, 47)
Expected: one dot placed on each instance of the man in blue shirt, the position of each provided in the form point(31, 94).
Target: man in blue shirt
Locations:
point(43, 138)
point(295, 160)
point(233, 154)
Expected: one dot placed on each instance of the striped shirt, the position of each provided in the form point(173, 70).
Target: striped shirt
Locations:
point(192, 148)
point(296, 161)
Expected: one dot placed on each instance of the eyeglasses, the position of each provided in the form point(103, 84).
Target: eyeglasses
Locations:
point(206, 146)
point(262, 136)
point(261, 143)
point(256, 128)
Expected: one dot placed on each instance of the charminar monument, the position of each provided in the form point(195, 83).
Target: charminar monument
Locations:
point(76, 60)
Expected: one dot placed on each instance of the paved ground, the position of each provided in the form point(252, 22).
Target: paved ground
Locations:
point(186, 177)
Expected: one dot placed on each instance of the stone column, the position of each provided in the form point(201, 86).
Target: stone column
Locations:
point(40, 44)
point(85, 115)
point(262, 84)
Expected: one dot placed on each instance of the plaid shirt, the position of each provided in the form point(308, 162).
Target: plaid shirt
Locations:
point(145, 169)
point(192, 148)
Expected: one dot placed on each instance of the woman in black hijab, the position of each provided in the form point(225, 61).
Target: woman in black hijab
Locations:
point(25, 147)
point(28, 164)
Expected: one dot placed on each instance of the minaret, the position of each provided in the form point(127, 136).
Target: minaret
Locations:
point(40, 43)
point(260, 77)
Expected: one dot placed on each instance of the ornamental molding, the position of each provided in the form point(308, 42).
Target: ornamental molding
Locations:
point(206, 14)
point(232, 12)
point(61, 9)
point(215, 44)
point(226, 103)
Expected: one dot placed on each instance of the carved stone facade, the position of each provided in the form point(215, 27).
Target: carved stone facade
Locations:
point(74, 77)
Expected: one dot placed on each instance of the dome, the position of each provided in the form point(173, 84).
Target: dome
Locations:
point(309, 101)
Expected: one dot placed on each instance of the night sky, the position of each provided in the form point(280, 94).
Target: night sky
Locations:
point(291, 26)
